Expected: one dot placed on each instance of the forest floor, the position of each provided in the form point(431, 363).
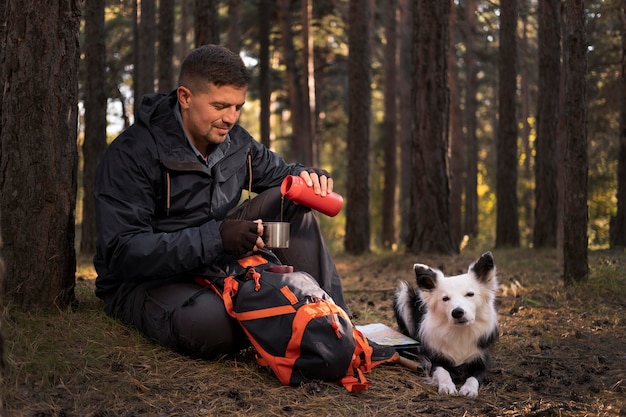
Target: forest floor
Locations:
point(562, 352)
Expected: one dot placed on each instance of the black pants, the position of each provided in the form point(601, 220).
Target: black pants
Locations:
point(189, 318)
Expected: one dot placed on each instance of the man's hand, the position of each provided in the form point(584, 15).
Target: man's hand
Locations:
point(319, 179)
point(241, 236)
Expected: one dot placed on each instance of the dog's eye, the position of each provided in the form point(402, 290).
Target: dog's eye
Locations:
point(446, 298)
point(469, 294)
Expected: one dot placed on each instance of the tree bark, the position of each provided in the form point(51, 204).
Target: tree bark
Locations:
point(293, 74)
point(507, 227)
point(309, 143)
point(526, 173)
point(183, 47)
point(390, 128)
point(166, 46)
point(357, 238)
point(38, 153)
point(618, 223)
point(575, 263)
point(206, 23)
point(234, 25)
point(406, 113)
point(95, 117)
point(265, 86)
point(470, 223)
point(457, 146)
point(546, 195)
point(429, 224)
point(145, 58)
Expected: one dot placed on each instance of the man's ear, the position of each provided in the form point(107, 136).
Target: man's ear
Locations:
point(184, 96)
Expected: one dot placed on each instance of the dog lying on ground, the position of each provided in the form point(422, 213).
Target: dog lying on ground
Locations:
point(455, 320)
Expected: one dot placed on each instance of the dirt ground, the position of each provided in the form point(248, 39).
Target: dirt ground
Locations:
point(561, 353)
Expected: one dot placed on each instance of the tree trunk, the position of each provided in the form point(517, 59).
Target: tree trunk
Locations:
point(470, 225)
point(390, 128)
point(309, 143)
point(575, 265)
point(166, 45)
point(95, 116)
point(457, 148)
point(183, 47)
point(406, 113)
point(546, 196)
point(265, 76)
point(145, 38)
point(618, 223)
point(207, 22)
point(526, 195)
point(507, 227)
point(38, 153)
point(234, 25)
point(357, 239)
point(429, 224)
point(293, 74)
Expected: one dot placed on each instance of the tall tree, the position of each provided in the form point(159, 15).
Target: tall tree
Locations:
point(406, 115)
point(234, 25)
point(429, 224)
point(390, 128)
point(507, 227)
point(309, 143)
point(470, 223)
point(618, 223)
point(526, 174)
point(95, 116)
point(265, 86)
point(575, 263)
point(183, 30)
point(357, 238)
point(2, 362)
point(457, 145)
point(145, 57)
point(38, 153)
point(295, 74)
point(206, 22)
point(546, 195)
point(166, 45)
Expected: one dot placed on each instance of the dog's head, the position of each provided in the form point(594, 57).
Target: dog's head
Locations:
point(460, 299)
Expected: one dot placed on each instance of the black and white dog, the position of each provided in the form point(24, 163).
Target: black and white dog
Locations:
point(455, 320)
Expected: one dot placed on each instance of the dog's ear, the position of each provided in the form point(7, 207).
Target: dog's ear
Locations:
point(484, 267)
point(426, 277)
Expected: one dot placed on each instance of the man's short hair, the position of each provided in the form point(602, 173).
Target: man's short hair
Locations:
point(213, 64)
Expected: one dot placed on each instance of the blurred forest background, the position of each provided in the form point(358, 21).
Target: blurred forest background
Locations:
point(444, 124)
point(306, 43)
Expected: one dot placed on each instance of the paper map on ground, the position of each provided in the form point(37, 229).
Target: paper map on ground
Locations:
point(386, 336)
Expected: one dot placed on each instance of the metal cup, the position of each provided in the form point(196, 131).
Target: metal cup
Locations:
point(276, 235)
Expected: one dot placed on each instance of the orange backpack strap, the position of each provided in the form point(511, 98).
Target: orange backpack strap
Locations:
point(355, 383)
point(231, 287)
point(363, 350)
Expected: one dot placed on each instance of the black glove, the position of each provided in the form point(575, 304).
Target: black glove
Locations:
point(318, 171)
point(238, 236)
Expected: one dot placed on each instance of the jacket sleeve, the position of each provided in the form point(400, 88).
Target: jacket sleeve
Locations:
point(125, 204)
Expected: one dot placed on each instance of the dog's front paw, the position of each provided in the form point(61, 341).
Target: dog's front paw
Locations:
point(470, 388)
point(442, 378)
point(447, 389)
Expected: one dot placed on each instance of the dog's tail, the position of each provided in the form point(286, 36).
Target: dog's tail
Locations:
point(405, 303)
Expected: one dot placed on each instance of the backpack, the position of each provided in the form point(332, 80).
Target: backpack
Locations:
point(294, 325)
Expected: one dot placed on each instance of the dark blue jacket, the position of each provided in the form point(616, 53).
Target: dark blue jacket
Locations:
point(159, 207)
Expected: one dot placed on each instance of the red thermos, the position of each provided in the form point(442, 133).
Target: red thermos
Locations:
point(296, 190)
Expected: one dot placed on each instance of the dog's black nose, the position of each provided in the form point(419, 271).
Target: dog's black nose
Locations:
point(457, 313)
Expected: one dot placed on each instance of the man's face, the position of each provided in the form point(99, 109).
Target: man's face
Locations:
point(209, 115)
